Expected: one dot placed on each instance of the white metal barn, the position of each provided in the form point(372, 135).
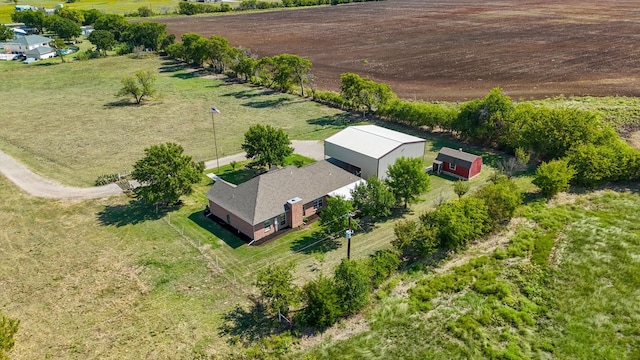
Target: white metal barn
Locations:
point(368, 150)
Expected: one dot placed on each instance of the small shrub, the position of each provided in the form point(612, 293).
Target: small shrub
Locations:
point(381, 265)
point(233, 164)
point(106, 179)
point(88, 55)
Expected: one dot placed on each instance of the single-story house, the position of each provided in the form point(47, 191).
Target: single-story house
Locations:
point(368, 150)
point(457, 163)
point(22, 44)
point(278, 199)
point(41, 53)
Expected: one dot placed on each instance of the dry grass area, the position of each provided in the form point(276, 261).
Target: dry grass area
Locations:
point(85, 289)
point(65, 123)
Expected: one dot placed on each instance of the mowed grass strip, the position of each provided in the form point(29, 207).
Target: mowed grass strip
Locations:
point(65, 123)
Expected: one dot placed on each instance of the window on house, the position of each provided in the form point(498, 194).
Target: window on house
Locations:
point(452, 166)
point(267, 225)
point(317, 203)
point(283, 219)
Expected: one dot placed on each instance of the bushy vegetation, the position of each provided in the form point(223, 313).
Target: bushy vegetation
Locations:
point(532, 299)
point(106, 179)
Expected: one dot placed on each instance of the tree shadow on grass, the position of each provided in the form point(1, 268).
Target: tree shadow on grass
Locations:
point(248, 325)
point(337, 120)
point(272, 103)
point(190, 75)
point(216, 229)
point(317, 242)
point(173, 66)
point(132, 213)
point(120, 103)
point(250, 93)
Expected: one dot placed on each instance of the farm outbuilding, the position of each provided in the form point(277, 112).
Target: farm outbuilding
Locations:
point(368, 150)
point(457, 163)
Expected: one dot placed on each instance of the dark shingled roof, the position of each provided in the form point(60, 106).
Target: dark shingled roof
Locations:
point(264, 196)
point(456, 157)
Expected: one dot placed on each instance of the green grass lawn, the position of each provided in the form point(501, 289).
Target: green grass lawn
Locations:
point(579, 300)
point(108, 6)
point(65, 123)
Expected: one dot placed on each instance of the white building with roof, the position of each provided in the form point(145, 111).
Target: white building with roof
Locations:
point(368, 150)
point(23, 44)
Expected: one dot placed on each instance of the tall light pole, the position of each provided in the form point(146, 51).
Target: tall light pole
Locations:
point(215, 141)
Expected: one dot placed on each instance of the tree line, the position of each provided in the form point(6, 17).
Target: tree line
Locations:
point(285, 72)
point(109, 29)
point(193, 8)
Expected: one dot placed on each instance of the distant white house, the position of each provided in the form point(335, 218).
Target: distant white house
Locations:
point(25, 7)
point(41, 53)
point(23, 44)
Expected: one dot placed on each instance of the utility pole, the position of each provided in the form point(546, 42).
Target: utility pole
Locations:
point(349, 233)
point(215, 141)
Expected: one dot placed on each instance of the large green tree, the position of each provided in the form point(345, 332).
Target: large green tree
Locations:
point(218, 53)
point(363, 94)
point(194, 48)
point(8, 330)
point(5, 33)
point(334, 217)
point(165, 174)
point(373, 198)
point(103, 40)
point(352, 284)
point(266, 145)
point(407, 179)
point(63, 27)
point(289, 69)
point(117, 24)
point(75, 15)
point(147, 34)
point(485, 120)
point(31, 18)
point(139, 86)
point(277, 289)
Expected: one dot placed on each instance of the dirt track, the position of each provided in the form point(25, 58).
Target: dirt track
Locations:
point(452, 50)
point(36, 185)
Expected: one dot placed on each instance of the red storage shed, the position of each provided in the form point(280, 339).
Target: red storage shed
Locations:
point(457, 163)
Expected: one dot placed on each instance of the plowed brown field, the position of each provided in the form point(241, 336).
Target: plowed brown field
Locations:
point(452, 50)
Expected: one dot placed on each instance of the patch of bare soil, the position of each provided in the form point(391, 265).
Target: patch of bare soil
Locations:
point(451, 50)
point(634, 139)
point(343, 330)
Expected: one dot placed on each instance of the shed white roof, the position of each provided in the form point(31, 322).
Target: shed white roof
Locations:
point(371, 140)
point(345, 191)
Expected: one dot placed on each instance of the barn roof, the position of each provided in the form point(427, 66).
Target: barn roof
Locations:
point(264, 196)
point(456, 157)
point(371, 140)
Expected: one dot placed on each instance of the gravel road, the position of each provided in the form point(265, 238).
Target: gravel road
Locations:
point(35, 185)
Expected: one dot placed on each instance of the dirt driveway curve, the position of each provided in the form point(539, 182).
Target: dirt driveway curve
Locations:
point(35, 185)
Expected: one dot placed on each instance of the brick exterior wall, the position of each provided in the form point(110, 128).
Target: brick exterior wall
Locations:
point(241, 225)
